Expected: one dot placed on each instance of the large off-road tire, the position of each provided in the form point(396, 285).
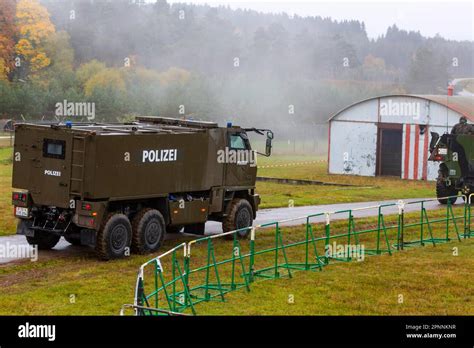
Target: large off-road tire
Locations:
point(43, 240)
point(148, 228)
point(240, 216)
point(114, 237)
point(443, 191)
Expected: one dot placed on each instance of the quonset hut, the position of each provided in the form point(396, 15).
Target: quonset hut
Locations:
point(390, 135)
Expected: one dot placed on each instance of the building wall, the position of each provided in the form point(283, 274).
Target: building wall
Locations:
point(353, 135)
point(426, 111)
point(424, 170)
point(353, 148)
point(363, 112)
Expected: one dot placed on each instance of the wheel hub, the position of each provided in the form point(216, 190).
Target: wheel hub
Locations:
point(118, 237)
point(466, 190)
point(152, 233)
point(243, 219)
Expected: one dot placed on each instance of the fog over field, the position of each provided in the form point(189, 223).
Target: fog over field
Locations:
point(246, 62)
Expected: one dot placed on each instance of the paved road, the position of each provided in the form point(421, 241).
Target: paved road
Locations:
point(266, 216)
point(463, 92)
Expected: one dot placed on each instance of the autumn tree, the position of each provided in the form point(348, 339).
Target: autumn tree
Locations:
point(34, 29)
point(7, 38)
point(108, 79)
point(89, 69)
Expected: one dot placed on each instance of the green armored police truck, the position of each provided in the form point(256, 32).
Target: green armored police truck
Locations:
point(121, 187)
point(455, 152)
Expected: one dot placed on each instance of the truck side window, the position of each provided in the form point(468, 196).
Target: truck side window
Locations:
point(237, 142)
point(53, 148)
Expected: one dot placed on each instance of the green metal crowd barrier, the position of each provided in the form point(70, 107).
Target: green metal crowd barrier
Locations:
point(208, 268)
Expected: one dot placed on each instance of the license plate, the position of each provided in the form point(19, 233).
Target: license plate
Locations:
point(443, 151)
point(20, 211)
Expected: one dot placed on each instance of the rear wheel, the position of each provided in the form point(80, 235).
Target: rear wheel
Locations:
point(443, 191)
point(148, 231)
point(114, 237)
point(240, 216)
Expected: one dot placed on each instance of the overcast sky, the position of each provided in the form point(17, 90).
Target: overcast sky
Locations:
point(452, 20)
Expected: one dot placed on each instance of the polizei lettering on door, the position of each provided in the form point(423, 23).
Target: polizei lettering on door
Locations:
point(52, 172)
point(164, 155)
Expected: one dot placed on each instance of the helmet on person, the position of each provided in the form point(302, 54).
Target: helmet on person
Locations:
point(463, 119)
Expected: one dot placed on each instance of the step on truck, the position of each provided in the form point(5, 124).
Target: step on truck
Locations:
point(455, 153)
point(121, 187)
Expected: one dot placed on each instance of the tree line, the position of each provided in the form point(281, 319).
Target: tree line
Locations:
point(131, 57)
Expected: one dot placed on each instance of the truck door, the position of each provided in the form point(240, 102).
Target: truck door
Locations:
point(50, 168)
point(241, 165)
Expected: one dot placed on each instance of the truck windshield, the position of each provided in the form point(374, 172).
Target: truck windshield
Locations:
point(237, 142)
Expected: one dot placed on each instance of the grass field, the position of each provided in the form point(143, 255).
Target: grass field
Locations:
point(431, 279)
point(432, 282)
point(7, 221)
point(374, 188)
point(367, 287)
point(5, 139)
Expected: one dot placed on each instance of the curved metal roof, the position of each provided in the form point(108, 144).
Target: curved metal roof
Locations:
point(461, 104)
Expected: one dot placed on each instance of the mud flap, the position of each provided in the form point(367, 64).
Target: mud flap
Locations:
point(88, 237)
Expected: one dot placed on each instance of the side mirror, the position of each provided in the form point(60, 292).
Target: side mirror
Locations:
point(268, 145)
point(434, 140)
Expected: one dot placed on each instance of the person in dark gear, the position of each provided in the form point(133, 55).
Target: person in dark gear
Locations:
point(462, 127)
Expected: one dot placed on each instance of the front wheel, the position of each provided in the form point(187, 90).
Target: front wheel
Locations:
point(240, 216)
